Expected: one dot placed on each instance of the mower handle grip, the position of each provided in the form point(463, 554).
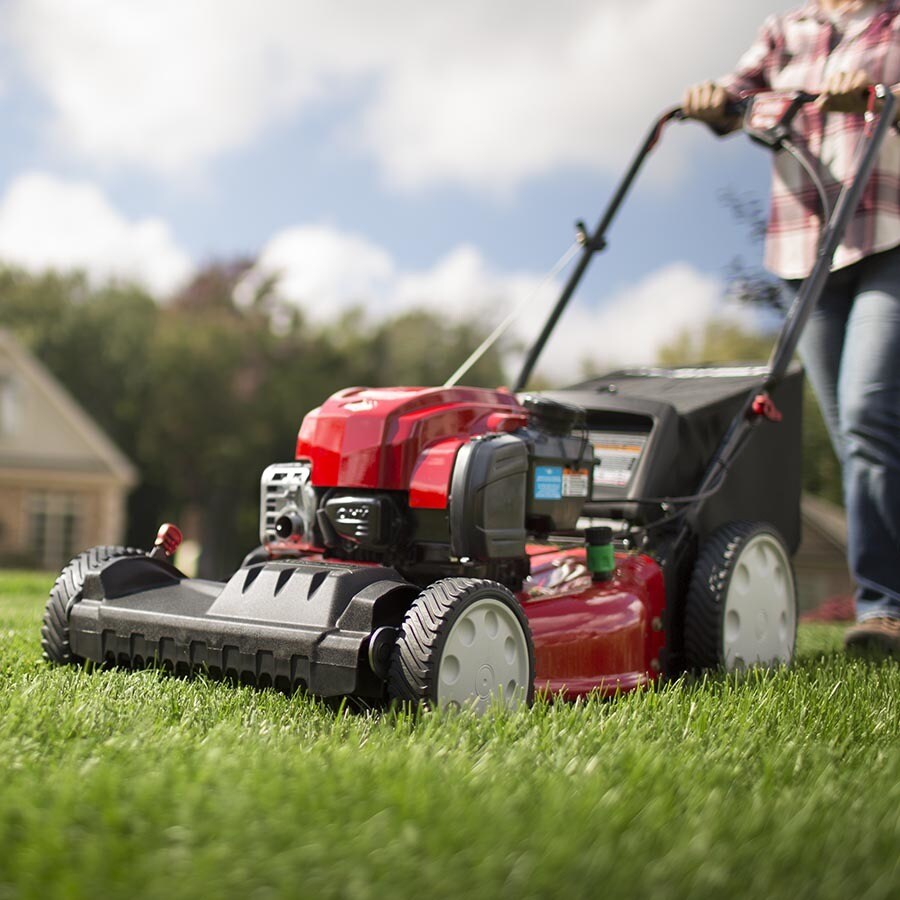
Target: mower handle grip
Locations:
point(739, 104)
point(736, 107)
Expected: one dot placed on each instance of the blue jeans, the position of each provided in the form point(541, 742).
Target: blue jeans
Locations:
point(851, 351)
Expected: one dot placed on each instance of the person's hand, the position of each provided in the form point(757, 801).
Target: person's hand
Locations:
point(709, 103)
point(845, 92)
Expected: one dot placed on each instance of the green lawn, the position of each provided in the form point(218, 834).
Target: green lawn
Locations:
point(119, 784)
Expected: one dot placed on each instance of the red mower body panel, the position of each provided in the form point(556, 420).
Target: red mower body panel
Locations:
point(593, 635)
point(373, 438)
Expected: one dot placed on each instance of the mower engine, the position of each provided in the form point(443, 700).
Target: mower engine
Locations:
point(434, 482)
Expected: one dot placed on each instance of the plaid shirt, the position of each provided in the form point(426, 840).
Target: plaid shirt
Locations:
point(798, 51)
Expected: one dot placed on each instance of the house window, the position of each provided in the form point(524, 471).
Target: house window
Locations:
point(10, 406)
point(53, 528)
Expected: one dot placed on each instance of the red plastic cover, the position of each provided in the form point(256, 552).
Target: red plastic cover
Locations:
point(375, 437)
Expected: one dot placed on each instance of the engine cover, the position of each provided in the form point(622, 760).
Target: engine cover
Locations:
point(371, 438)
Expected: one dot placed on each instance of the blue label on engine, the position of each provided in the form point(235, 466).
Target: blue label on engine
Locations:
point(548, 483)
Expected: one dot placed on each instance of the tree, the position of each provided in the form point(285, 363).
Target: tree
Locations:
point(204, 392)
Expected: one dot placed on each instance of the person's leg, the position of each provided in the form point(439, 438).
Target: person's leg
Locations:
point(869, 415)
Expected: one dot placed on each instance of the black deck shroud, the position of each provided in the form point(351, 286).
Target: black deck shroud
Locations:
point(684, 414)
point(292, 624)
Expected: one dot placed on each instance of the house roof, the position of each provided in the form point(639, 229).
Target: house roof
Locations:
point(70, 428)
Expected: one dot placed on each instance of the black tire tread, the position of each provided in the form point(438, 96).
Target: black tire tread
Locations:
point(414, 661)
point(65, 593)
point(705, 601)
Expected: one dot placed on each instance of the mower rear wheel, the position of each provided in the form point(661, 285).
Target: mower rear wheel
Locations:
point(65, 593)
point(465, 643)
point(741, 606)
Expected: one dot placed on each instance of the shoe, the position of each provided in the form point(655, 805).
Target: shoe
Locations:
point(874, 637)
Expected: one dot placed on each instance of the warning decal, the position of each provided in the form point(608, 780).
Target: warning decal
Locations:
point(548, 483)
point(575, 483)
point(616, 457)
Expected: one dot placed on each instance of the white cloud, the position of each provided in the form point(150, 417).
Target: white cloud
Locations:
point(48, 223)
point(632, 326)
point(464, 286)
point(322, 270)
point(474, 93)
point(566, 85)
point(326, 271)
point(163, 85)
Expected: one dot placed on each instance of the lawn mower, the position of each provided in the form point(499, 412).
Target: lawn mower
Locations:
point(462, 547)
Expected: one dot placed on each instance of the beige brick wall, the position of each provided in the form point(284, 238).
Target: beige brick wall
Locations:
point(98, 507)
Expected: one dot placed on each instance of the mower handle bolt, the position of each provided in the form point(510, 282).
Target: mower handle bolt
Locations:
point(593, 243)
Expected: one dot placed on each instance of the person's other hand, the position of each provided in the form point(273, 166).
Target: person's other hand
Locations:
point(707, 102)
point(845, 92)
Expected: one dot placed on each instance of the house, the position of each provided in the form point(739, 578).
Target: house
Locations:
point(63, 483)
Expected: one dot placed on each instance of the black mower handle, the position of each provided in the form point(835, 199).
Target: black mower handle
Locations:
point(772, 133)
point(593, 242)
point(833, 232)
point(759, 405)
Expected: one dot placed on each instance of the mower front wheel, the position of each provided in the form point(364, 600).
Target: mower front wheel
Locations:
point(741, 606)
point(65, 593)
point(465, 643)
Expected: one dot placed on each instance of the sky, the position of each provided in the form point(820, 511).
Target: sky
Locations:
point(388, 155)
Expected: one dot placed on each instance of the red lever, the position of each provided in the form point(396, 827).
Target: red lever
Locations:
point(168, 540)
point(764, 406)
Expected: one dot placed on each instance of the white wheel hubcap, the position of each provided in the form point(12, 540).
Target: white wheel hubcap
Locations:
point(760, 615)
point(485, 659)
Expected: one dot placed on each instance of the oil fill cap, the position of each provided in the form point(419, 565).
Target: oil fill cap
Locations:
point(601, 559)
